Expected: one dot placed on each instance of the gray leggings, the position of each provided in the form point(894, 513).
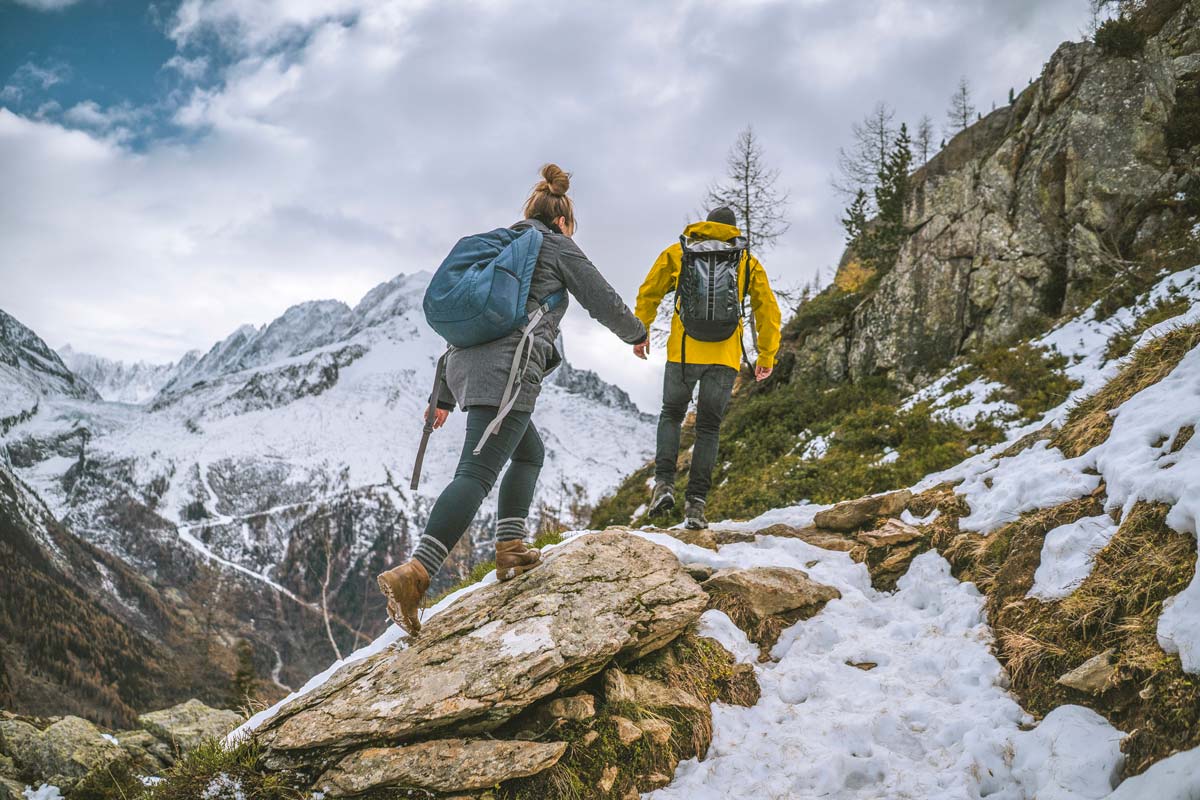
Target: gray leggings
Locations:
point(517, 444)
point(716, 387)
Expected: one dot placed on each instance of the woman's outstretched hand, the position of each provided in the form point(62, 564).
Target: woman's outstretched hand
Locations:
point(439, 416)
point(762, 373)
point(642, 348)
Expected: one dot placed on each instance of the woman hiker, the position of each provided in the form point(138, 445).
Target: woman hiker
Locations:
point(475, 379)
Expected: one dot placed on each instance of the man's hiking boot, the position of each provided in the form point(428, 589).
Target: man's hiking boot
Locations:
point(514, 557)
point(404, 587)
point(693, 514)
point(663, 498)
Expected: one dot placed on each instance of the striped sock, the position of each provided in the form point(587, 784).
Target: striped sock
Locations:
point(510, 529)
point(431, 553)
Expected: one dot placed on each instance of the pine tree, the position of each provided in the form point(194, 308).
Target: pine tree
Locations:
point(891, 197)
point(749, 189)
point(243, 689)
point(855, 221)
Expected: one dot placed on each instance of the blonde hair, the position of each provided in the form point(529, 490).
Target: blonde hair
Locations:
point(548, 201)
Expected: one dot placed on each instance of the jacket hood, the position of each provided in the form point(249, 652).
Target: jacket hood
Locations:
point(711, 230)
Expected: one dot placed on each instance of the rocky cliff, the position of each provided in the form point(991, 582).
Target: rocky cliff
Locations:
point(1031, 213)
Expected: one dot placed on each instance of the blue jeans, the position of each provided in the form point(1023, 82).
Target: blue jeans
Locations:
point(716, 387)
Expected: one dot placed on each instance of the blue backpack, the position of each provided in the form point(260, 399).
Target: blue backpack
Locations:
point(479, 292)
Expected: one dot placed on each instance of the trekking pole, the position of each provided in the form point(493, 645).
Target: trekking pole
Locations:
point(425, 432)
point(430, 416)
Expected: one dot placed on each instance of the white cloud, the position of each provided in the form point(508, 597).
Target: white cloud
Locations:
point(190, 68)
point(31, 78)
point(383, 131)
point(46, 5)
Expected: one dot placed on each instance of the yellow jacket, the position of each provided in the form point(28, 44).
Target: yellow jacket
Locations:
point(665, 274)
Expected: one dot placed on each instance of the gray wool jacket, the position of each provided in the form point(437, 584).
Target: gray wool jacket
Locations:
point(476, 376)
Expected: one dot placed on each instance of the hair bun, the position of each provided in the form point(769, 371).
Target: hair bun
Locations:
point(554, 180)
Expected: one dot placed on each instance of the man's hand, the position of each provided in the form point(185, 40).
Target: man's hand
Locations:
point(642, 348)
point(762, 373)
point(439, 416)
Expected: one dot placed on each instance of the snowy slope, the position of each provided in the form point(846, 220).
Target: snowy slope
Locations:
point(285, 439)
point(29, 371)
point(933, 718)
point(122, 382)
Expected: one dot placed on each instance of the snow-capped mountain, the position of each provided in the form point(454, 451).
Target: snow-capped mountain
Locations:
point(287, 448)
point(123, 382)
point(30, 371)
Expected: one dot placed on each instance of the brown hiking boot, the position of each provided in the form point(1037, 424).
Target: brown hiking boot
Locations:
point(515, 557)
point(405, 587)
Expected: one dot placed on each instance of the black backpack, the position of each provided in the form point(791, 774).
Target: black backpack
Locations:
point(707, 295)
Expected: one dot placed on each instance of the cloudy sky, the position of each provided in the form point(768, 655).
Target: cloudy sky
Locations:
point(175, 169)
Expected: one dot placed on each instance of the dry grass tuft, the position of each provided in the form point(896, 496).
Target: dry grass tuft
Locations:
point(1089, 423)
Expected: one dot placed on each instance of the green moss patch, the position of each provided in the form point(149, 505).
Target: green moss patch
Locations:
point(1032, 378)
point(692, 663)
point(235, 767)
point(1166, 308)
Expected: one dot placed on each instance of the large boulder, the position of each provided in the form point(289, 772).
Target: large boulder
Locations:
point(854, 514)
point(768, 591)
point(64, 752)
point(188, 724)
point(500, 649)
point(441, 765)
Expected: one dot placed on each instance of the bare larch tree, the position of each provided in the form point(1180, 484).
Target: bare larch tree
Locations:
point(749, 190)
point(961, 112)
point(924, 142)
point(872, 139)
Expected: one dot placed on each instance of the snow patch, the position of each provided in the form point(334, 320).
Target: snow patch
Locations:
point(1038, 477)
point(1067, 556)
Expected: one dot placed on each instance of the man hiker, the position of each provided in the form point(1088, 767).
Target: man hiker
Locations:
point(712, 274)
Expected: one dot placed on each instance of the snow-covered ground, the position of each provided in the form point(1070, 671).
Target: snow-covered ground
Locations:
point(933, 719)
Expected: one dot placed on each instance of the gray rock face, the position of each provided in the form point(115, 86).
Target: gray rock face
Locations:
point(64, 752)
point(768, 591)
point(855, 513)
point(501, 648)
point(1023, 214)
point(188, 724)
point(442, 765)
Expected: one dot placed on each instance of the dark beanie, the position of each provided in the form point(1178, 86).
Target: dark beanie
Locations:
point(722, 215)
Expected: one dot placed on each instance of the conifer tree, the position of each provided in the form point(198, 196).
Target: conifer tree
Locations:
point(891, 197)
point(855, 221)
point(243, 689)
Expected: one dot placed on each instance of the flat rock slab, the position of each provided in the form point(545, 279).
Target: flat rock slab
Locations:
point(442, 765)
point(827, 540)
point(768, 591)
point(500, 649)
point(188, 724)
point(854, 514)
point(893, 532)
